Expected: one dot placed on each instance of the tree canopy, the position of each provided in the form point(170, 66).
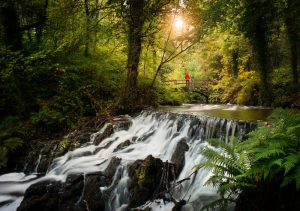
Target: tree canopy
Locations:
point(66, 60)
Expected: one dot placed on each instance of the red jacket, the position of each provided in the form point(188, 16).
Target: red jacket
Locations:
point(187, 76)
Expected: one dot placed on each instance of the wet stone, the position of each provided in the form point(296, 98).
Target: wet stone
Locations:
point(146, 175)
point(122, 145)
point(77, 193)
point(106, 133)
point(178, 155)
point(112, 167)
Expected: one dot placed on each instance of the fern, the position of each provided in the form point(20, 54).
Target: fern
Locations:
point(268, 154)
point(7, 146)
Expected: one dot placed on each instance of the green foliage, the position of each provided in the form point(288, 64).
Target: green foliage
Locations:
point(64, 144)
point(229, 165)
point(276, 148)
point(170, 96)
point(268, 158)
point(7, 145)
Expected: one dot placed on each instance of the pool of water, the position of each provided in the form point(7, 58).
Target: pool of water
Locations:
point(236, 112)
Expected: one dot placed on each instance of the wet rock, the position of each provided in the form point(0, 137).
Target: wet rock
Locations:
point(92, 198)
point(41, 196)
point(178, 155)
point(106, 133)
point(122, 145)
point(179, 124)
point(70, 194)
point(104, 147)
point(121, 123)
point(146, 176)
point(179, 205)
point(112, 167)
point(77, 193)
point(43, 166)
point(40, 156)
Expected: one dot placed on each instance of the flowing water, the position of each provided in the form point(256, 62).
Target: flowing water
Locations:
point(151, 133)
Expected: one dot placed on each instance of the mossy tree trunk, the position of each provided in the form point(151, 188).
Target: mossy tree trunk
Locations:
point(292, 30)
point(135, 23)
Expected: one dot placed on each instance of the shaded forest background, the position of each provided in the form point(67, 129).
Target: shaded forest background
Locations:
point(63, 62)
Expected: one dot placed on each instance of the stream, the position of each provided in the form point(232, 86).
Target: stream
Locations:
point(157, 133)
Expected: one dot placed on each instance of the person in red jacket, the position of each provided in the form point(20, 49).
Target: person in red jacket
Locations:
point(187, 78)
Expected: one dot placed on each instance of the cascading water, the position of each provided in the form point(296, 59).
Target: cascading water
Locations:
point(150, 133)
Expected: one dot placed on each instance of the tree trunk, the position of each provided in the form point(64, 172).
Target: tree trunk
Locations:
point(95, 31)
point(235, 63)
point(291, 26)
point(260, 46)
point(87, 33)
point(11, 28)
point(135, 23)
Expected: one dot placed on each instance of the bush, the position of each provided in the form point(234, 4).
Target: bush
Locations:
point(263, 172)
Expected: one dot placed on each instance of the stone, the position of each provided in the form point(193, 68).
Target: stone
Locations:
point(92, 198)
point(77, 193)
point(122, 145)
point(179, 205)
point(146, 176)
point(41, 196)
point(178, 156)
point(112, 167)
point(106, 133)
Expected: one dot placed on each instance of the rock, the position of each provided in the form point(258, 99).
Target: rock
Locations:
point(41, 196)
point(78, 193)
point(121, 123)
point(178, 155)
point(112, 167)
point(179, 205)
point(92, 199)
point(146, 175)
point(122, 145)
point(109, 130)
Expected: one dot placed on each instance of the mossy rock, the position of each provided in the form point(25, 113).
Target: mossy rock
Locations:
point(146, 175)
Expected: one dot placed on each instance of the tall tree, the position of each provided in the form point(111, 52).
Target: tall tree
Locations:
point(87, 27)
point(10, 23)
point(292, 28)
point(135, 21)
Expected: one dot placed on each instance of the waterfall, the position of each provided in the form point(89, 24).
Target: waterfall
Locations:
point(150, 133)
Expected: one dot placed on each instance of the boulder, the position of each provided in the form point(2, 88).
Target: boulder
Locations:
point(109, 130)
point(122, 145)
point(77, 193)
point(41, 196)
point(112, 167)
point(178, 156)
point(121, 123)
point(92, 198)
point(146, 176)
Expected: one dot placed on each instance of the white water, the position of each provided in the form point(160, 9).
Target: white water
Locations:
point(155, 134)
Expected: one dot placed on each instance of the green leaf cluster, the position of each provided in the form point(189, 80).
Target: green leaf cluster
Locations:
point(266, 164)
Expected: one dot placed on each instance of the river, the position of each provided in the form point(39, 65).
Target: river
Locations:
point(157, 133)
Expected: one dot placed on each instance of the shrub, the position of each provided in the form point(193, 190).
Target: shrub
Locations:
point(261, 173)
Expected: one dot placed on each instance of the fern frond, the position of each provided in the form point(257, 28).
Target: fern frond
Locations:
point(266, 153)
point(221, 203)
point(297, 178)
point(290, 162)
point(12, 143)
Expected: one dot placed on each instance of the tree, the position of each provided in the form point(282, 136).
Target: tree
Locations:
point(10, 22)
point(292, 20)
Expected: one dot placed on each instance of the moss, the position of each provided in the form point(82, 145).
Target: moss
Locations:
point(64, 144)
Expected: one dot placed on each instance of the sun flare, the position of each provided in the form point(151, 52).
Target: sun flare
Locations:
point(178, 23)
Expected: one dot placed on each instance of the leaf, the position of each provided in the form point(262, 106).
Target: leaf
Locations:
point(297, 178)
point(12, 143)
point(290, 162)
point(266, 153)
